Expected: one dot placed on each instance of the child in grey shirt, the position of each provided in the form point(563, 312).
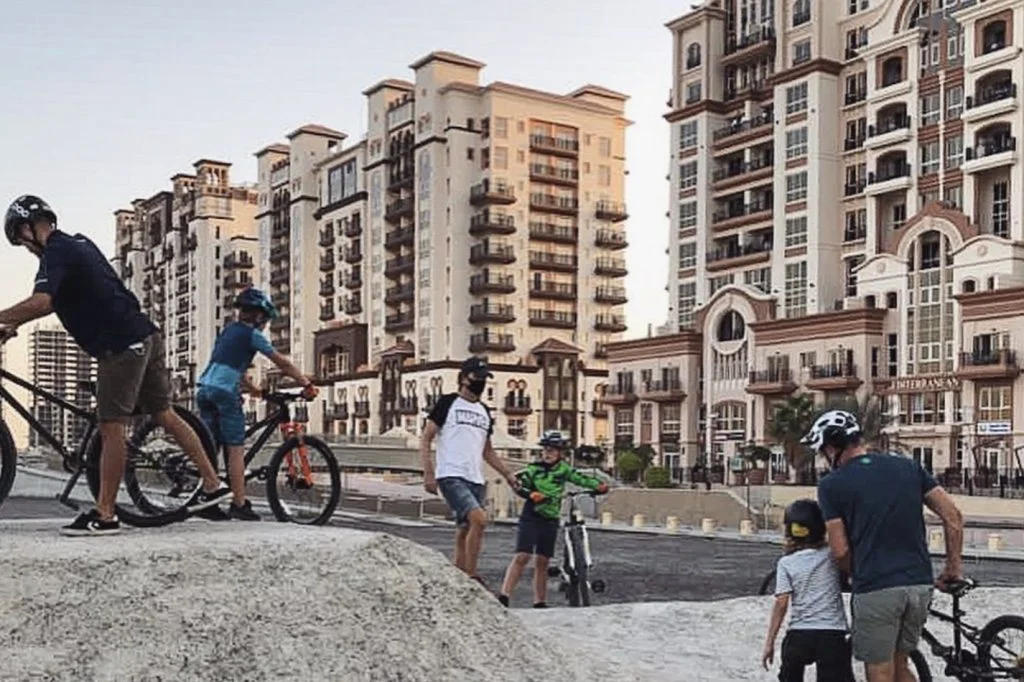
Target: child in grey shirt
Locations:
point(808, 579)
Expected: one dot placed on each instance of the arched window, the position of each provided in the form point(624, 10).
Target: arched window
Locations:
point(892, 71)
point(693, 55)
point(731, 327)
point(993, 36)
point(969, 286)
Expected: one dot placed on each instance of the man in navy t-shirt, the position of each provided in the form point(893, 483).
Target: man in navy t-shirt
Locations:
point(76, 282)
point(874, 511)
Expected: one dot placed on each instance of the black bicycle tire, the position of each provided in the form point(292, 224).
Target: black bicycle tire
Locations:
point(924, 673)
point(579, 588)
point(988, 633)
point(766, 583)
point(8, 461)
point(125, 514)
point(131, 483)
point(274, 467)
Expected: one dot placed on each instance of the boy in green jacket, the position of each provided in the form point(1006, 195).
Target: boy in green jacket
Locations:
point(543, 485)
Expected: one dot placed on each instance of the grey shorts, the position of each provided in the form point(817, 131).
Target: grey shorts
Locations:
point(133, 381)
point(462, 497)
point(888, 621)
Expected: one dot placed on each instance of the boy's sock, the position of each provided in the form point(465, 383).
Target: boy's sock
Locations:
point(503, 598)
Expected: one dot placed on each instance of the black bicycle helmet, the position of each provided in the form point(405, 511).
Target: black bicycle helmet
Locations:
point(804, 522)
point(26, 210)
point(554, 439)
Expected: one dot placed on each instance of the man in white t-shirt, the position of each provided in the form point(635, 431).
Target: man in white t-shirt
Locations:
point(463, 427)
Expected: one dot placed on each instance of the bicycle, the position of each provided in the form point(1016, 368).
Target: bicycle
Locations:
point(574, 570)
point(291, 457)
point(85, 458)
point(961, 664)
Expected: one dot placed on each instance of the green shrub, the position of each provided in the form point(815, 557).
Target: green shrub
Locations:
point(629, 466)
point(658, 477)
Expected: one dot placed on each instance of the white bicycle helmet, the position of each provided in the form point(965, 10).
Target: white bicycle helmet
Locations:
point(834, 427)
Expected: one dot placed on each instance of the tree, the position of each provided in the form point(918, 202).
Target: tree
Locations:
point(658, 477)
point(646, 454)
point(789, 423)
point(872, 418)
point(629, 466)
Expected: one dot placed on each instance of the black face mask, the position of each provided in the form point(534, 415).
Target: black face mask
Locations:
point(477, 386)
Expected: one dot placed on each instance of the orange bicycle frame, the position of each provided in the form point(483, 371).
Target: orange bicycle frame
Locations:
point(290, 430)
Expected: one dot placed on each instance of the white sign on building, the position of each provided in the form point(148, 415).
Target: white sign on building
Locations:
point(993, 428)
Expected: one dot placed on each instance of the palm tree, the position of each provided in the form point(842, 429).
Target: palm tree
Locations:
point(789, 423)
point(873, 420)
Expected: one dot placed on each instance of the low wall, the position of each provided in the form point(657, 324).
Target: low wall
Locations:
point(689, 506)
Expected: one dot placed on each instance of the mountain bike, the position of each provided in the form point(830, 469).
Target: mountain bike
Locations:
point(288, 471)
point(962, 664)
point(574, 570)
point(85, 458)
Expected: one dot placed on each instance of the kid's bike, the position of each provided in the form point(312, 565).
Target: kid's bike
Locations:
point(574, 571)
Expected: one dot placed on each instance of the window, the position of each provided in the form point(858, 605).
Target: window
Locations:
point(931, 109)
point(501, 127)
point(501, 158)
point(801, 12)
point(802, 52)
point(624, 424)
point(993, 36)
point(796, 231)
point(604, 176)
point(1001, 209)
point(892, 71)
point(687, 299)
point(852, 264)
point(687, 215)
point(693, 92)
point(693, 56)
point(796, 143)
point(604, 146)
point(954, 196)
point(796, 187)
point(856, 225)
point(687, 255)
point(953, 43)
point(930, 158)
point(954, 152)
point(853, 6)
point(688, 135)
point(688, 175)
point(796, 289)
point(899, 216)
point(716, 283)
point(954, 102)
point(759, 279)
point(994, 403)
point(796, 98)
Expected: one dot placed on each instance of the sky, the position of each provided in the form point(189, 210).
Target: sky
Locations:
point(104, 100)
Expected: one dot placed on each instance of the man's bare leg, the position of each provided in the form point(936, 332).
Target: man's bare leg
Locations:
point(903, 672)
point(184, 436)
point(474, 539)
point(112, 456)
point(880, 672)
point(460, 547)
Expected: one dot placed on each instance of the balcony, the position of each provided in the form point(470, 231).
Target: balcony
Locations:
point(988, 365)
point(280, 298)
point(399, 266)
point(893, 178)
point(610, 323)
point(614, 240)
point(327, 287)
point(757, 126)
point(353, 254)
point(398, 322)
point(492, 284)
point(353, 305)
point(894, 130)
point(855, 189)
point(278, 252)
point(737, 173)
point(611, 295)
point(611, 267)
point(408, 405)
point(553, 174)
point(555, 319)
point(402, 236)
point(491, 342)
point(771, 382)
point(361, 409)
point(611, 210)
point(553, 290)
point(240, 260)
point(855, 97)
point(517, 405)
point(601, 351)
point(738, 215)
point(399, 294)
point(400, 180)
point(838, 377)
point(327, 312)
point(327, 262)
point(486, 193)
point(353, 281)
point(989, 154)
point(492, 253)
point(326, 238)
point(664, 391)
point(280, 229)
point(598, 409)
point(621, 396)
point(734, 255)
point(487, 223)
point(353, 228)
point(561, 146)
point(279, 275)
point(338, 412)
point(400, 208)
point(550, 232)
point(552, 203)
point(756, 44)
point(993, 100)
point(233, 282)
point(483, 313)
point(557, 262)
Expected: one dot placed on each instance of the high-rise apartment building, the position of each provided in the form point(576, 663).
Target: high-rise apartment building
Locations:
point(471, 219)
point(186, 253)
point(57, 365)
point(843, 222)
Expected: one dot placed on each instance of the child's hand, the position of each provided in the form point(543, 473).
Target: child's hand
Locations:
point(768, 656)
point(537, 497)
point(601, 489)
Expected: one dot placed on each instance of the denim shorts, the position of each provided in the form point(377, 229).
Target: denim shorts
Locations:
point(462, 496)
point(222, 412)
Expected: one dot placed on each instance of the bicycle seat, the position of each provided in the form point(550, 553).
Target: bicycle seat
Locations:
point(959, 588)
point(89, 386)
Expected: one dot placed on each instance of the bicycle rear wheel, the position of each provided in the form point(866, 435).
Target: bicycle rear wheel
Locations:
point(920, 666)
point(1001, 647)
point(8, 461)
point(299, 488)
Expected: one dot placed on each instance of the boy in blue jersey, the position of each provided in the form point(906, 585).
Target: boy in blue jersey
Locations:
point(219, 398)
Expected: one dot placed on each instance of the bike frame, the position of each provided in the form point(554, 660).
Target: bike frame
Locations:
point(279, 419)
point(961, 630)
point(576, 521)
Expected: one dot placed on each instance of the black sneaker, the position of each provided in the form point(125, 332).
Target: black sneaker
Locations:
point(213, 514)
point(200, 499)
point(503, 598)
point(243, 513)
point(90, 523)
point(540, 605)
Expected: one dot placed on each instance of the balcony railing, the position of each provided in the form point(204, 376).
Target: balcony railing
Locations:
point(517, 404)
point(852, 190)
point(735, 170)
point(551, 202)
point(399, 237)
point(553, 318)
point(755, 37)
point(610, 323)
point(398, 322)
point(543, 260)
point(490, 252)
point(552, 232)
point(558, 145)
point(557, 290)
point(761, 121)
point(239, 260)
point(327, 288)
point(991, 93)
point(353, 228)
point(611, 210)
point(890, 172)
point(326, 238)
point(361, 409)
point(855, 233)
point(611, 267)
point(771, 381)
point(492, 284)
point(990, 148)
point(399, 208)
point(610, 239)
point(353, 305)
point(327, 262)
point(855, 96)
point(490, 341)
point(491, 312)
point(543, 172)
point(353, 254)
point(353, 282)
point(888, 125)
point(612, 295)
point(494, 193)
point(399, 293)
point(733, 250)
point(740, 210)
point(488, 222)
point(396, 266)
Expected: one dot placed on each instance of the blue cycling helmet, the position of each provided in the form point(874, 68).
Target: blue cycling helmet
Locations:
point(257, 299)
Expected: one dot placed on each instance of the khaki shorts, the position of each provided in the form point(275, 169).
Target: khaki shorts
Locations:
point(889, 621)
point(133, 381)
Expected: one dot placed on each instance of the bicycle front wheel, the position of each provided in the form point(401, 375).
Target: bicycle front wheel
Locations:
point(303, 482)
point(1001, 648)
point(579, 577)
point(8, 461)
point(767, 584)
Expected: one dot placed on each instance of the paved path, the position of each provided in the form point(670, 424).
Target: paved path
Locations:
point(635, 566)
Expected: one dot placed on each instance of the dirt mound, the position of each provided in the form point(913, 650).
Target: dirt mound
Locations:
point(261, 602)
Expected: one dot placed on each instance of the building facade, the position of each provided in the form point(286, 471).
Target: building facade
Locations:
point(58, 365)
point(186, 253)
point(471, 219)
point(844, 223)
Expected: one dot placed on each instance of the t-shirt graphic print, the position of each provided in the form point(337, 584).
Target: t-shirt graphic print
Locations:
point(463, 430)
